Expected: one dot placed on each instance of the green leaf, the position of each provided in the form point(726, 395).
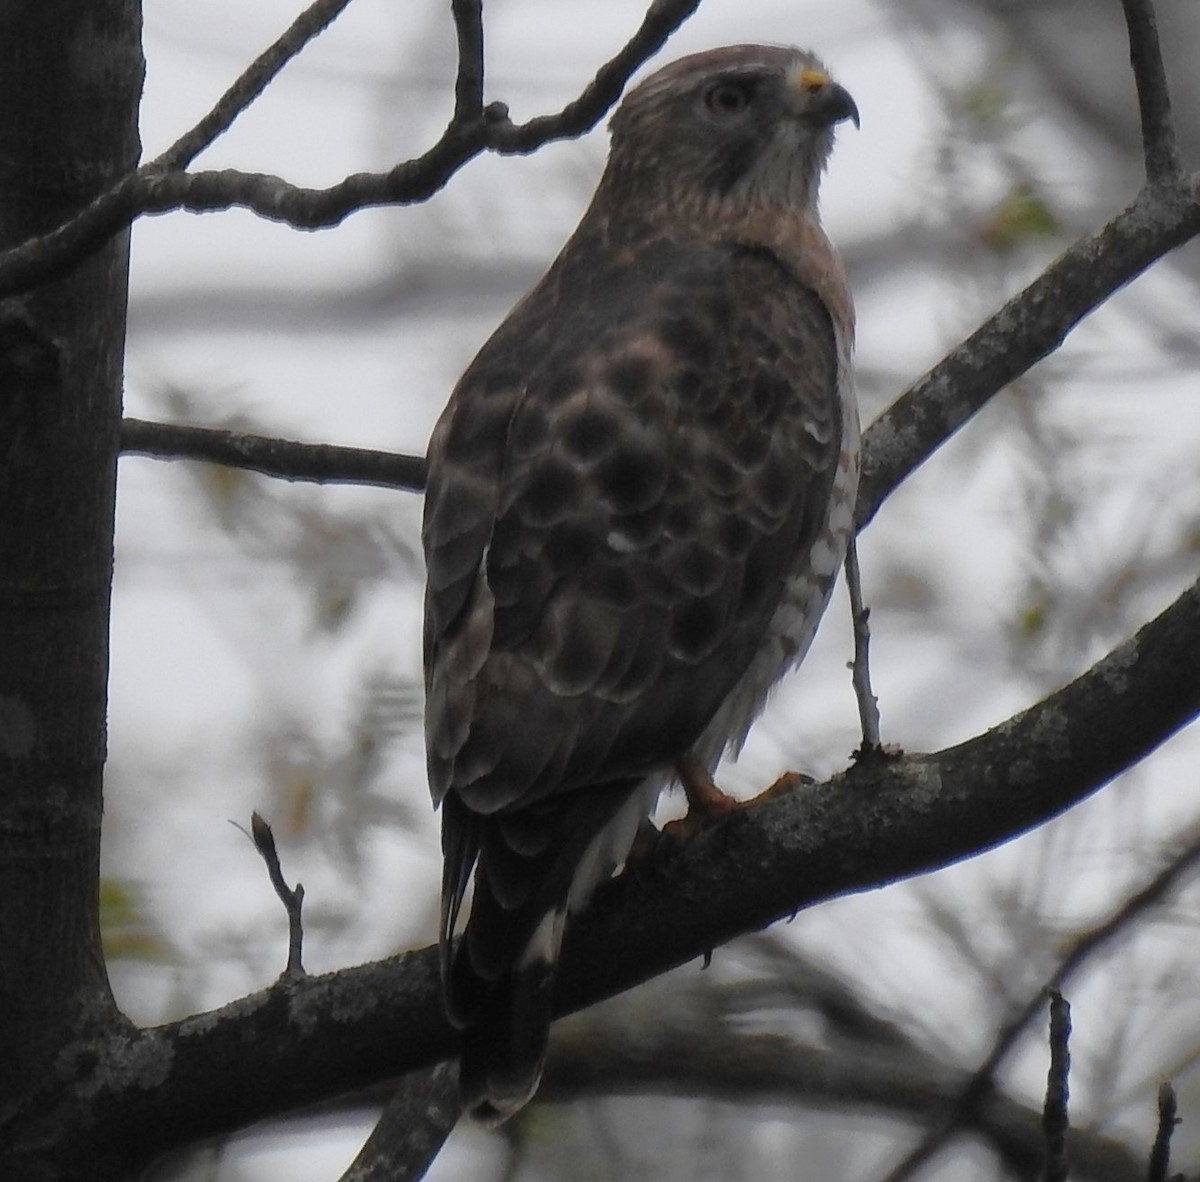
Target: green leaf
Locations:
point(1022, 216)
point(127, 931)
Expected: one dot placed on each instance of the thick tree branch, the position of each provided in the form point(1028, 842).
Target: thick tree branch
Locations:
point(1027, 328)
point(151, 189)
point(878, 822)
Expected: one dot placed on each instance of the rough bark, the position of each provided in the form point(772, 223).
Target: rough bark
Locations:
point(70, 78)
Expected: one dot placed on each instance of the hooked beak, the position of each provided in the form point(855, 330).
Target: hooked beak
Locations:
point(820, 100)
point(840, 106)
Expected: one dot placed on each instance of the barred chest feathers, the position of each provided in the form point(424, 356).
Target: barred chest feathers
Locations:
point(805, 596)
point(794, 623)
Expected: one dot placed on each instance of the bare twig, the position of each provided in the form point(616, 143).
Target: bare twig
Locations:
point(580, 115)
point(1055, 1121)
point(868, 703)
point(292, 898)
point(1154, 98)
point(1085, 946)
point(317, 17)
point(147, 191)
point(1160, 1153)
point(54, 254)
point(153, 189)
point(285, 458)
point(468, 85)
point(419, 1117)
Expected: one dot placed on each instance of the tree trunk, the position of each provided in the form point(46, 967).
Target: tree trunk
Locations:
point(70, 80)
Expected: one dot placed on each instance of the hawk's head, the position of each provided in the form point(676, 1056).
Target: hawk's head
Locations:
point(743, 124)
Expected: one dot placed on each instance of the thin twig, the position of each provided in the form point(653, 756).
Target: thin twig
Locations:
point(292, 898)
point(1055, 1120)
point(153, 189)
point(1160, 1153)
point(662, 19)
point(412, 1129)
point(317, 17)
point(54, 254)
point(468, 85)
point(868, 703)
point(285, 458)
point(1154, 97)
point(1085, 946)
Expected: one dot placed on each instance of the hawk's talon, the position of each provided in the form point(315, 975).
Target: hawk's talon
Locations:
point(707, 803)
point(784, 786)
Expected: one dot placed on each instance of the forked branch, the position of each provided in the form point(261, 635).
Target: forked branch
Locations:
point(162, 185)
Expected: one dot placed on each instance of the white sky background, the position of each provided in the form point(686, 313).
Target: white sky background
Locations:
point(356, 335)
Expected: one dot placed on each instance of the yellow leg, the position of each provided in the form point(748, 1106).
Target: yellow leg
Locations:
point(706, 802)
point(703, 796)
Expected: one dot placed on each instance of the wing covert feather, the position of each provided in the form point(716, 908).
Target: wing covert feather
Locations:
point(616, 501)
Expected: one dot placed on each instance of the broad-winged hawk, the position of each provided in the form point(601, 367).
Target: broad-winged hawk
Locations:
point(639, 496)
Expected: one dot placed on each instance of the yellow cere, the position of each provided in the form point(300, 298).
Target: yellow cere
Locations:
point(812, 80)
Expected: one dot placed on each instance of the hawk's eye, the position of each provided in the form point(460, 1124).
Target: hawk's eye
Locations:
point(727, 98)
